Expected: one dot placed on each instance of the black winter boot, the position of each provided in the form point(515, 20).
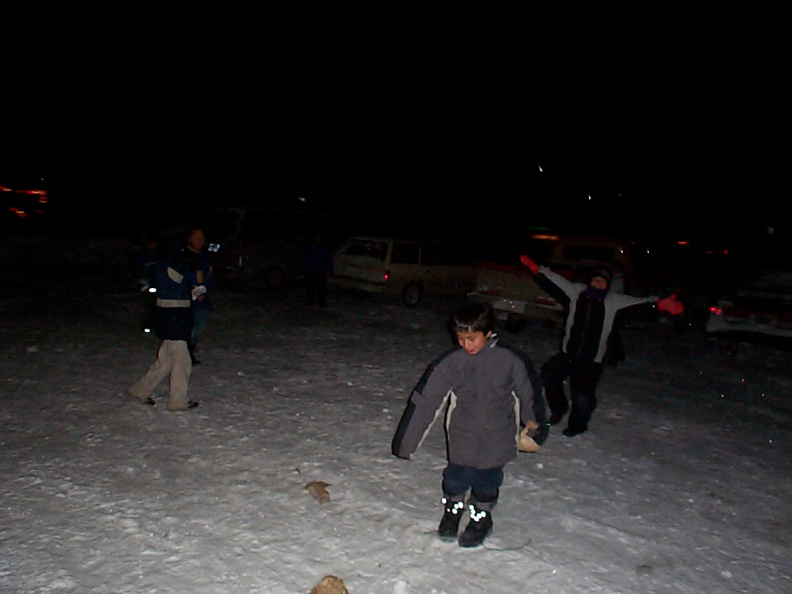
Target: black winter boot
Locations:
point(449, 524)
point(478, 529)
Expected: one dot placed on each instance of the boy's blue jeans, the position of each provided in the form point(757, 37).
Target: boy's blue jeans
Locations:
point(483, 484)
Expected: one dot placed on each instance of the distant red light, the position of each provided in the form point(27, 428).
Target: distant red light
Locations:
point(34, 209)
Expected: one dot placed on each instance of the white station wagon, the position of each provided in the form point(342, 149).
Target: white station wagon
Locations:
point(409, 268)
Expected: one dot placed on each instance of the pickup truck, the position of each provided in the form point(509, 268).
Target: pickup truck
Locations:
point(514, 294)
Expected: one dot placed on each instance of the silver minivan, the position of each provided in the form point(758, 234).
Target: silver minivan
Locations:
point(409, 268)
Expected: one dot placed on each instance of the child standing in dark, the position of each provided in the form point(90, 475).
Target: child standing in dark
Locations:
point(487, 392)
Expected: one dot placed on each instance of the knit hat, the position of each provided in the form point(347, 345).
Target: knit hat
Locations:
point(602, 273)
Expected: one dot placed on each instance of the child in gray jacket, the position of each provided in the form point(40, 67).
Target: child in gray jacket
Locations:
point(487, 392)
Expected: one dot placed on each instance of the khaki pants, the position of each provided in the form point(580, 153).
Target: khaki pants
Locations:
point(173, 360)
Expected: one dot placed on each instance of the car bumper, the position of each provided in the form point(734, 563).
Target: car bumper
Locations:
point(510, 307)
point(720, 325)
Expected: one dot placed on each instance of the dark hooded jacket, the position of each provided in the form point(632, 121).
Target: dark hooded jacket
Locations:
point(485, 397)
point(589, 321)
point(172, 317)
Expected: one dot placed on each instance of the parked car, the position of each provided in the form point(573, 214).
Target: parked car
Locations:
point(409, 268)
point(761, 307)
point(261, 245)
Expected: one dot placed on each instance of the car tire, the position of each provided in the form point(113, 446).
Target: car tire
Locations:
point(274, 279)
point(412, 294)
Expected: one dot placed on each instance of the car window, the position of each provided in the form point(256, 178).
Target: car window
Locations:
point(433, 255)
point(354, 249)
point(373, 249)
point(441, 254)
point(405, 253)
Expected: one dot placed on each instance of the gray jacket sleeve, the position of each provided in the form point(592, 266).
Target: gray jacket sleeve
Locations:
point(427, 402)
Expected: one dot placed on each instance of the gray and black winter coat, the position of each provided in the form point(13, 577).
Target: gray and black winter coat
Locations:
point(589, 323)
point(485, 399)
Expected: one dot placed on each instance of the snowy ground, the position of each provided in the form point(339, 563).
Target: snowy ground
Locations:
point(682, 485)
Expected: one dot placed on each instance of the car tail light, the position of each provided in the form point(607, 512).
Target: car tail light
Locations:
point(386, 276)
point(716, 311)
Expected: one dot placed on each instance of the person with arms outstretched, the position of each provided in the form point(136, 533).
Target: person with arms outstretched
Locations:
point(591, 313)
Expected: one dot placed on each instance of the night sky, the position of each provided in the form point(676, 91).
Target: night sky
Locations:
point(672, 120)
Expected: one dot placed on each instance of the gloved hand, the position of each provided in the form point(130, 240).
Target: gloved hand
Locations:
point(542, 432)
point(532, 266)
point(671, 305)
point(533, 435)
point(198, 291)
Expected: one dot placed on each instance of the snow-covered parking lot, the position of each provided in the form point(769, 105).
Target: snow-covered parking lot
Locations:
point(682, 485)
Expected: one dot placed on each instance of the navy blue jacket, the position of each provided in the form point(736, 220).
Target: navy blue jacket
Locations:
point(172, 318)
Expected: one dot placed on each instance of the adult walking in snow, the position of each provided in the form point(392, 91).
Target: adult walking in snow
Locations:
point(591, 312)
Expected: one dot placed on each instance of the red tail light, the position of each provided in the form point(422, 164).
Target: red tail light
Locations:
point(716, 311)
